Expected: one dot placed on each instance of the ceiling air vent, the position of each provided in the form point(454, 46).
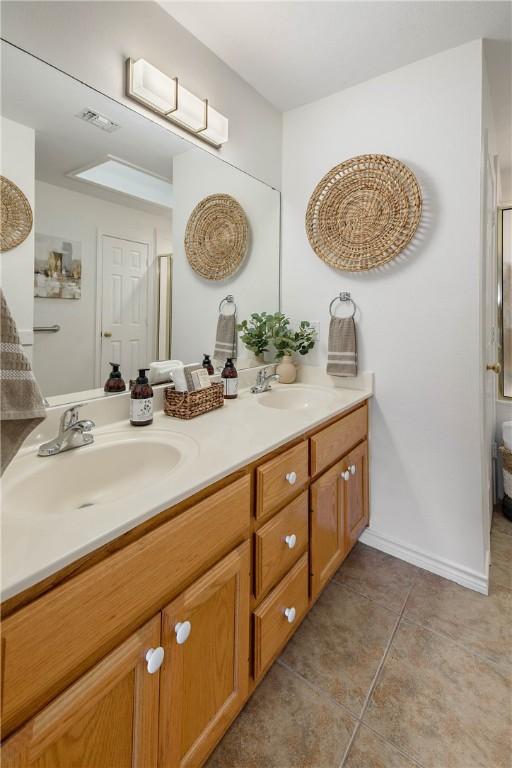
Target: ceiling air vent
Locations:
point(100, 121)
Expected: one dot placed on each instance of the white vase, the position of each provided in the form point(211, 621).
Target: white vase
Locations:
point(286, 370)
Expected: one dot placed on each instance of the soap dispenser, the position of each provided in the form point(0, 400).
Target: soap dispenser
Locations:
point(230, 377)
point(141, 403)
point(115, 382)
point(207, 363)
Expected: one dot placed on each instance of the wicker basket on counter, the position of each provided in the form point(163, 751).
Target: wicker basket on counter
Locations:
point(188, 405)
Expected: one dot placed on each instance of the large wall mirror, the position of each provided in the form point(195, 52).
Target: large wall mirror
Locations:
point(505, 298)
point(107, 268)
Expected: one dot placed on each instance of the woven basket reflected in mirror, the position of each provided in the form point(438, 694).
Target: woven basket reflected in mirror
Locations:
point(216, 237)
point(16, 221)
point(363, 212)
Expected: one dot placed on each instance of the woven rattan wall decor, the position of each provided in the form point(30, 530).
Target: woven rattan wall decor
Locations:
point(216, 237)
point(16, 221)
point(363, 212)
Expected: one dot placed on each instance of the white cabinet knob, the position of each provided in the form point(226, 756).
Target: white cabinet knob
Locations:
point(291, 540)
point(182, 630)
point(290, 614)
point(345, 476)
point(154, 658)
point(353, 469)
point(291, 477)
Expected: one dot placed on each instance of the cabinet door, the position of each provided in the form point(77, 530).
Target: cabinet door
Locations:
point(327, 527)
point(204, 680)
point(109, 717)
point(356, 494)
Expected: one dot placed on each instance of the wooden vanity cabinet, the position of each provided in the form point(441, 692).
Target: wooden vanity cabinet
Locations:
point(327, 524)
point(216, 591)
point(356, 494)
point(338, 501)
point(205, 675)
point(124, 713)
point(108, 718)
point(51, 642)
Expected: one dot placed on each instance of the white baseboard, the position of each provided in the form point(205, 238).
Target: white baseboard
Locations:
point(464, 576)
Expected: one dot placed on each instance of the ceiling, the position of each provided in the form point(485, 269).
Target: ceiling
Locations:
point(49, 101)
point(295, 52)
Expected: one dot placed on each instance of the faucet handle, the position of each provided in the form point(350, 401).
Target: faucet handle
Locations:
point(70, 416)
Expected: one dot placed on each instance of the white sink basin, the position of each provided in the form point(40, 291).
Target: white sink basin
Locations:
point(116, 465)
point(296, 398)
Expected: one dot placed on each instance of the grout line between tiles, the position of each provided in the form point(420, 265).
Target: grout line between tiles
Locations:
point(317, 689)
point(402, 751)
point(385, 655)
point(368, 597)
point(376, 677)
point(503, 666)
point(359, 718)
point(349, 745)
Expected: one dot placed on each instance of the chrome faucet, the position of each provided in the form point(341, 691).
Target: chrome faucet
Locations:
point(263, 381)
point(73, 433)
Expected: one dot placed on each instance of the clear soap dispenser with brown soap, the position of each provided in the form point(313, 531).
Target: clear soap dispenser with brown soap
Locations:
point(141, 403)
point(230, 378)
point(115, 382)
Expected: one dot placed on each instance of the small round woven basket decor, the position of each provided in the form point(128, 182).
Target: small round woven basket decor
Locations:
point(363, 212)
point(216, 237)
point(16, 221)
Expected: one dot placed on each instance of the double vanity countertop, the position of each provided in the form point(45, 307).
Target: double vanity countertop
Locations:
point(57, 509)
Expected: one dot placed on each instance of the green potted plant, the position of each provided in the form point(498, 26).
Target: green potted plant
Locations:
point(255, 333)
point(264, 331)
point(288, 342)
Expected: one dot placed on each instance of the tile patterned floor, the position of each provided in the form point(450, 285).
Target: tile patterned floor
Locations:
point(393, 668)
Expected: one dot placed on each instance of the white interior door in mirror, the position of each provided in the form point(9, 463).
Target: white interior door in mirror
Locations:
point(125, 284)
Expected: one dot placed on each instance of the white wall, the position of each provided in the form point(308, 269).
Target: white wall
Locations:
point(64, 361)
point(91, 41)
point(17, 265)
point(418, 319)
point(255, 285)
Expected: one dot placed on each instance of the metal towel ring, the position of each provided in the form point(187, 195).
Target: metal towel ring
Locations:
point(229, 299)
point(343, 296)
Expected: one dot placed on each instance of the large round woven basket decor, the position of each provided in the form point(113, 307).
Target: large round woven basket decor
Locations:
point(216, 237)
point(363, 212)
point(16, 220)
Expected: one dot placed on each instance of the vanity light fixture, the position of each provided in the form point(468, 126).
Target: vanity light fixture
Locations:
point(168, 98)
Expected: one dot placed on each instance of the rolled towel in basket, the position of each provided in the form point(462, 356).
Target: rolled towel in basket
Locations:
point(342, 347)
point(226, 339)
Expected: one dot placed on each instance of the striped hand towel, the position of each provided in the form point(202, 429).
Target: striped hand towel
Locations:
point(226, 340)
point(342, 347)
point(22, 405)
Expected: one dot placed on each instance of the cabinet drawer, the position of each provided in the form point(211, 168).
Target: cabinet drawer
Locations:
point(272, 627)
point(274, 554)
point(51, 642)
point(333, 442)
point(279, 479)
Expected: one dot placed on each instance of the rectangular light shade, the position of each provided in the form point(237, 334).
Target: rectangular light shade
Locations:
point(191, 110)
point(166, 96)
point(217, 130)
point(153, 87)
